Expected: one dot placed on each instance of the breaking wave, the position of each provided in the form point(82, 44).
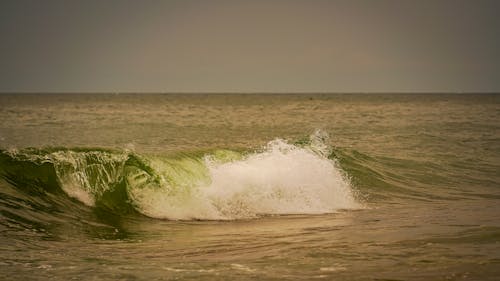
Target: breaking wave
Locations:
point(281, 178)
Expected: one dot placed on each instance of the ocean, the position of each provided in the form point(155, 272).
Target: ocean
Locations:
point(249, 186)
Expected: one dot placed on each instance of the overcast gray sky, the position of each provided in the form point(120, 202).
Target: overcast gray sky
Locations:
point(250, 46)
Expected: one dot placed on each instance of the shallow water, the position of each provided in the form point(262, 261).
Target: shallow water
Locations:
point(159, 187)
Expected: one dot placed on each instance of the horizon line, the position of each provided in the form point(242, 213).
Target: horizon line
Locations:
point(245, 93)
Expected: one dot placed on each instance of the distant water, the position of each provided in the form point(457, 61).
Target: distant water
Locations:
point(249, 187)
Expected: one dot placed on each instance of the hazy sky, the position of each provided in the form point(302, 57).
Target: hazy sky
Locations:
point(249, 46)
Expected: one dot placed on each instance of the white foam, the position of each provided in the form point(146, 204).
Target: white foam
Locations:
point(283, 179)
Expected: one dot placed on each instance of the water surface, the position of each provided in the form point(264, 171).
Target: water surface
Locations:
point(224, 187)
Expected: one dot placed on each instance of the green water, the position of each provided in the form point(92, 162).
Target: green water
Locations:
point(266, 187)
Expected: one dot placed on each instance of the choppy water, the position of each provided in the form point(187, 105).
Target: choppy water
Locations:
point(272, 187)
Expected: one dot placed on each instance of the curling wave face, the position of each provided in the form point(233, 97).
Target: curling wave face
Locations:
point(281, 178)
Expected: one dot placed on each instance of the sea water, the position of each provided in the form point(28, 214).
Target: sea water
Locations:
point(246, 186)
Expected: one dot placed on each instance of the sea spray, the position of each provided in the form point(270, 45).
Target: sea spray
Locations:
point(284, 179)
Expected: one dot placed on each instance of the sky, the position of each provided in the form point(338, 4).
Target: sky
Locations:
point(250, 46)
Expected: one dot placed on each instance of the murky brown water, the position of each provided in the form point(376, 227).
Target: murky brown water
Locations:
point(422, 174)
